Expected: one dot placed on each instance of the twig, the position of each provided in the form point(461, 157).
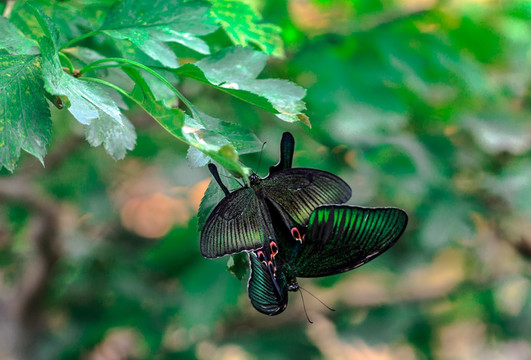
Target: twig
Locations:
point(8, 8)
point(53, 160)
point(371, 22)
point(22, 308)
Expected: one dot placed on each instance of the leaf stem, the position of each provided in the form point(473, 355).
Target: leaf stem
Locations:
point(111, 85)
point(79, 38)
point(62, 56)
point(96, 65)
point(8, 8)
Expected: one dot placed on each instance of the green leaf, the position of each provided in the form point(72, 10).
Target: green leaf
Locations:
point(186, 128)
point(24, 114)
point(242, 24)
point(234, 70)
point(238, 265)
point(150, 24)
point(90, 104)
point(14, 42)
point(221, 133)
point(73, 18)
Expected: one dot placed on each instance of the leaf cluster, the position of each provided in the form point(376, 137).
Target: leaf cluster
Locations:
point(82, 66)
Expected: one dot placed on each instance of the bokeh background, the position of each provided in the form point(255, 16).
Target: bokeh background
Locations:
point(422, 105)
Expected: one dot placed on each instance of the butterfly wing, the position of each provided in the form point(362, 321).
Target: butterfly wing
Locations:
point(239, 222)
point(268, 293)
point(341, 238)
point(299, 191)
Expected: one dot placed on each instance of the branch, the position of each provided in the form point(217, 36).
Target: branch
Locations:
point(371, 22)
point(23, 307)
point(53, 160)
point(8, 8)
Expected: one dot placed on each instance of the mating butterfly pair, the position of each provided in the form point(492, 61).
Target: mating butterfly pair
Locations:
point(292, 225)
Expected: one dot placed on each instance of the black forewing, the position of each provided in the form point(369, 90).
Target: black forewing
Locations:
point(239, 222)
point(341, 238)
point(299, 191)
point(266, 296)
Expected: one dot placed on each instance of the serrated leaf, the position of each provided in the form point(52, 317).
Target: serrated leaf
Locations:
point(221, 133)
point(184, 127)
point(90, 104)
point(151, 24)
point(196, 158)
point(14, 42)
point(243, 25)
point(24, 114)
point(234, 70)
point(73, 17)
point(228, 140)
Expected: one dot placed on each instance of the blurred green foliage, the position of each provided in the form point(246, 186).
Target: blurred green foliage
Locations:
point(420, 105)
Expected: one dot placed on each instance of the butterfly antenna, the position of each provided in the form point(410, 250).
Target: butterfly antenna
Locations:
point(260, 158)
point(233, 178)
point(315, 297)
point(304, 306)
point(214, 171)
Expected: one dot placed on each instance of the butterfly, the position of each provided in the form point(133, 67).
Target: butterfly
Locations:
point(242, 219)
point(292, 224)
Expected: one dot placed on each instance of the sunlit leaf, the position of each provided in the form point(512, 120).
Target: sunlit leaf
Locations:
point(234, 70)
point(73, 17)
point(244, 25)
point(151, 24)
point(90, 104)
point(14, 42)
point(186, 128)
point(24, 114)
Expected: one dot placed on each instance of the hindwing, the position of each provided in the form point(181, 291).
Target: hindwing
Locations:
point(341, 238)
point(267, 288)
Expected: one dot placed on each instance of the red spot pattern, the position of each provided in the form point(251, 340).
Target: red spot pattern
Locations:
point(296, 234)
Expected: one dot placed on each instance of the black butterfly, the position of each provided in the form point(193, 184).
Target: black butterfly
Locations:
point(284, 223)
point(242, 220)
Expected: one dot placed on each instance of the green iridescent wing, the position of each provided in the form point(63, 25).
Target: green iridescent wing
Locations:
point(268, 295)
point(341, 238)
point(297, 192)
point(239, 222)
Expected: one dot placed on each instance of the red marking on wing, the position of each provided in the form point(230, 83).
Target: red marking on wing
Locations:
point(274, 248)
point(295, 233)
